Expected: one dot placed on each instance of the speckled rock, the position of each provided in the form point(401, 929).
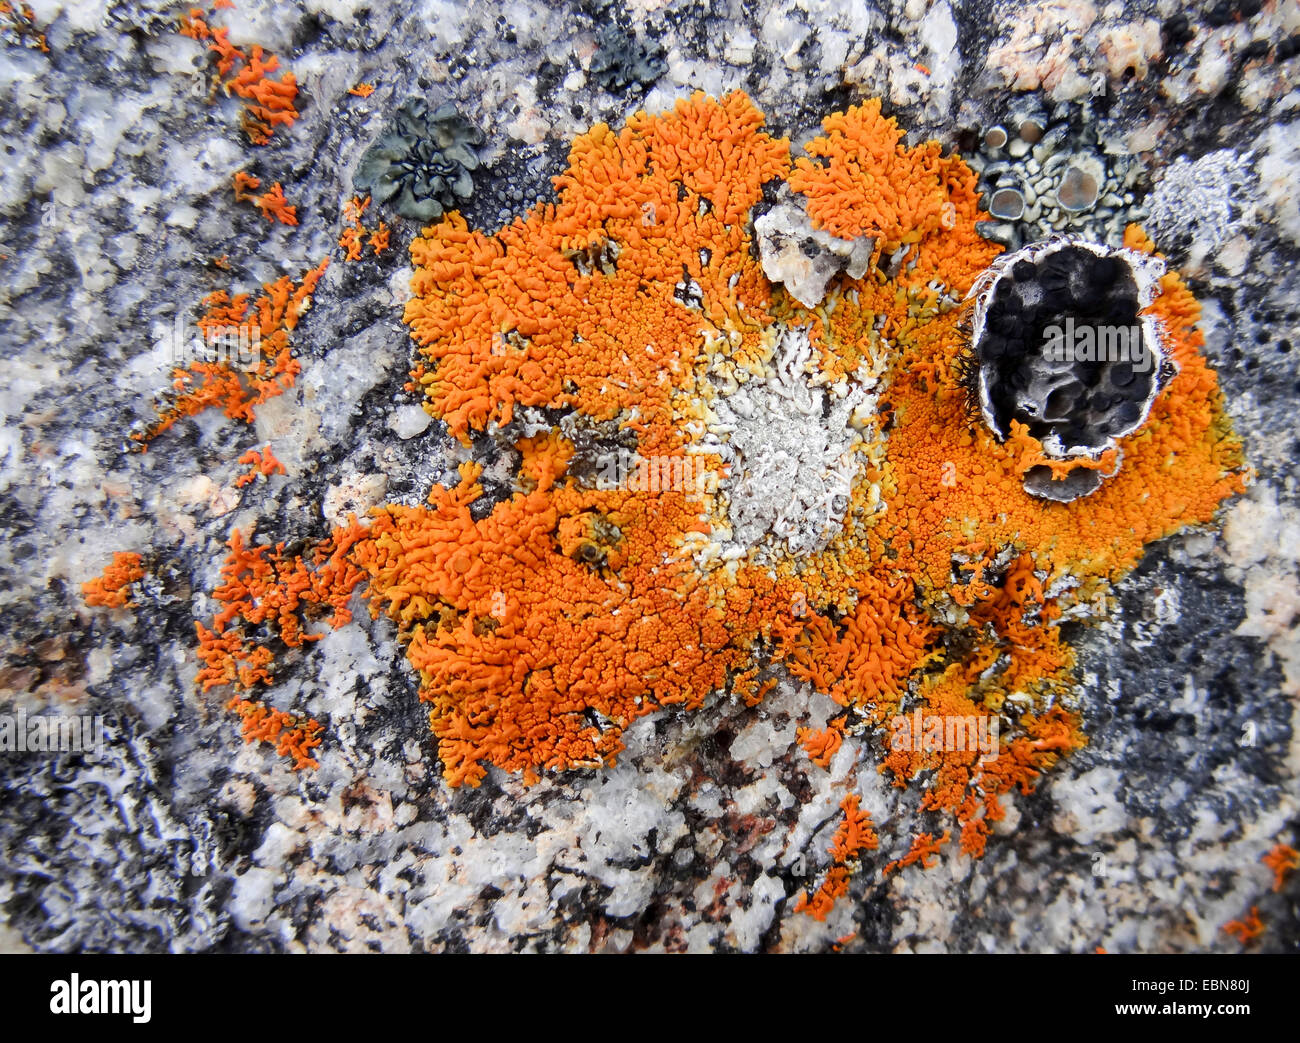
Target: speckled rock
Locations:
point(116, 218)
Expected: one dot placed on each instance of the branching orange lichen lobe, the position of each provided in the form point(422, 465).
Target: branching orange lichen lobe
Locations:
point(822, 745)
point(853, 836)
point(266, 588)
point(1281, 859)
point(268, 103)
point(1248, 928)
point(352, 238)
point(111, 590)
point(293, 737)
point(261, 462)
point(238, 391)
point(923, 850)
point(272, 203)
point(246, 185)
point(275, 207)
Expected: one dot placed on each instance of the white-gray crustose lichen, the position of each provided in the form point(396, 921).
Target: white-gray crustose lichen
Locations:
point(1043, 174)
point(1200, 205)
point(792, 451)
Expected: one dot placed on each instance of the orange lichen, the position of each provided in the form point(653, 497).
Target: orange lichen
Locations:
point(265, 331)
point(194, 25)
point(20, 24)
point(272, 203)
point(275, 207)
point(872, 185)
point(259, 462)
point(110, 590)
point(822, 745)
point(269, 592)
point(924, 850)
point(520, 318)
point(853, 836)
point(1248, 928)
point(354, 233)
point(362, 90)
point(292, 736)
point(268, 103)
point(1282, 859)
point(1028, 452)
point(350, 241)
point(246, 186)
point(542, 625)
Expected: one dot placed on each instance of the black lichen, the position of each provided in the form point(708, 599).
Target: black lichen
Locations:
point(622, 59)
point(1082, 401)
point(423, 161)
point(1058, 343)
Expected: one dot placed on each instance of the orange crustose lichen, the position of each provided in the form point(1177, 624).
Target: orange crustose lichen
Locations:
point(262, 334)
point(268, 102)
point(853, 836)
point(1282, 859)
point(111, 590)
point(543, 622)
point(292, 737)
point(272, 202)
point(1248, 928)
point(353, 236)
point(18, 21)
point(261, 462)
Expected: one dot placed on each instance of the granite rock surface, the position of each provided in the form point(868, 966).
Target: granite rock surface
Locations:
point(116, 214)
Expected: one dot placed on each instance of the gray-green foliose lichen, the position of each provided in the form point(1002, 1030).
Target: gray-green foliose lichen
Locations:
point(423, 161)
point(623, 60)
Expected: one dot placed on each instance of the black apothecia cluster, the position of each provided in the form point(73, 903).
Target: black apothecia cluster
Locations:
point(1062, 349)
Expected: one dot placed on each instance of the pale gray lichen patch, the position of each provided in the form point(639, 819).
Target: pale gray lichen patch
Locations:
point(793, 450)
point(1200, 206)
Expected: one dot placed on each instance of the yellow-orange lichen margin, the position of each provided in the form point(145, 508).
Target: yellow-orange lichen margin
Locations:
point(541, 624)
